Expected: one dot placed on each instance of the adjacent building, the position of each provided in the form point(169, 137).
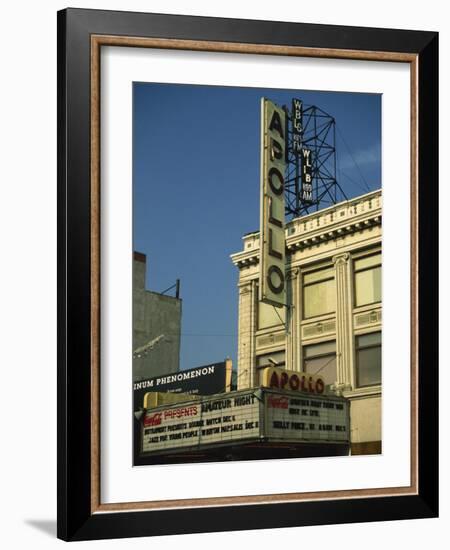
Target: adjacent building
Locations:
point(156, 327)
point(332, 323)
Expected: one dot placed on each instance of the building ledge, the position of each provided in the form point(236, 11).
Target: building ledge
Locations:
point(337, 221)
point(370, 391)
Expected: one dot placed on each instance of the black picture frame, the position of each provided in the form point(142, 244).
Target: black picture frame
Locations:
point(78, 518)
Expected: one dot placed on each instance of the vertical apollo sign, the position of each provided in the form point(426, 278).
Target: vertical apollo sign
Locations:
point(272, 285)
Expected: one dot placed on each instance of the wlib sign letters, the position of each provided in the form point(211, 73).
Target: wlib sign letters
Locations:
point(272, 286)
point(306, 193)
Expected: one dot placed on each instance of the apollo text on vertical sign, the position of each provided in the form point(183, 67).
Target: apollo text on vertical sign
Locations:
point(272, 285)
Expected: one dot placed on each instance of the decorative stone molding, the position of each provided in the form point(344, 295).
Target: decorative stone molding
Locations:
point(245, 289)
point(270, 340)
point(292, 274)
point(314, 330)
point(340, 388)
point(368, 318)
point(341, 259)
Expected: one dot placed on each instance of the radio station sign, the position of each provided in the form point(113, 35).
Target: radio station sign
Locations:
point(272, 286)
point(204, 380)
point(307, 189)
point(297, 125)
point(260, 414)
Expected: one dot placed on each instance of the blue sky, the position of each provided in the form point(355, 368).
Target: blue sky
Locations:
point(196, 191)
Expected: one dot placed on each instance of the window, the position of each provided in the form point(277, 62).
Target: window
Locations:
point(273, 359)
point(367, 280)
point(368, 359)
point(270, 316)
point(319, 293)
point(320, 359)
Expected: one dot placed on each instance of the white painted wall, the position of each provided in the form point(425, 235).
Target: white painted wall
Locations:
point(28, 275)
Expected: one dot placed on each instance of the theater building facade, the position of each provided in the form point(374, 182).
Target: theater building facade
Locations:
point(331, 325)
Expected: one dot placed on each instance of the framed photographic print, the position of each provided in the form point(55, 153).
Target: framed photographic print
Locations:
point(247, 274)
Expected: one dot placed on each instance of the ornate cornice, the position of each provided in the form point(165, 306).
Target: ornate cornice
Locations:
point(343, 219)
point(319, 237)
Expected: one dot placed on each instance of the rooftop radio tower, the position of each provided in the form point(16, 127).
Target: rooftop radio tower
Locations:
point(310, 182)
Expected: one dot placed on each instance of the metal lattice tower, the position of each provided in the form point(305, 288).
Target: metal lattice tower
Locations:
point(312, 130)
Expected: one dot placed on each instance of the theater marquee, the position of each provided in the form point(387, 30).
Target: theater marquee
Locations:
point(258, 415)
point(208, 421)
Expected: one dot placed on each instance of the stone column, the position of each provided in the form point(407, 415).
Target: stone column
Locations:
point(299, 319)
point(344, 332)
point(292, 326)
point(246, 335)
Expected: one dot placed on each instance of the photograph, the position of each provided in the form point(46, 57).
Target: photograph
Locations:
point(257, 273)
